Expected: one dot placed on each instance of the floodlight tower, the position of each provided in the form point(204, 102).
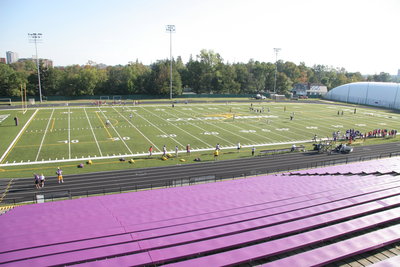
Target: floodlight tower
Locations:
point(170, 29)
point(37, 38)
point(276, 50)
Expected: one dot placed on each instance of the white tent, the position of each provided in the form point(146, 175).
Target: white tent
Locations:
point(367, 93)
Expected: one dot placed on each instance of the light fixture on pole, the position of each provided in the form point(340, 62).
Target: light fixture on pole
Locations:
point(276, 50)
point(170, 29)
point(37, 38)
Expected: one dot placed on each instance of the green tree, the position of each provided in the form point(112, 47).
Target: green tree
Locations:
point(224, 81)
point(292, 71)
point(116, 82)
point(50, 80)
point(381, 77)
point(159, 79)
point(26, 67)
point(69, 81)
point(10, 81)
point(209, 60)
point(193, 76)
point(245, 78)
point(87, 81)
point(283, 84)
point(135, 74)
point(259, 73)
point(354, 77)
point(270, 76)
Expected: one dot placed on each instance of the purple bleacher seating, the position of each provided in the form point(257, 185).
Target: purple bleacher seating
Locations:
point(391, 262)
point(340, 250)
point(271, 248)
point(160, 226)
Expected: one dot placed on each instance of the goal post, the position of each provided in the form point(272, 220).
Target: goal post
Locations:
point(24, 104)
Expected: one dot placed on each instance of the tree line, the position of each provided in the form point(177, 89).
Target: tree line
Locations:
point(206, 73)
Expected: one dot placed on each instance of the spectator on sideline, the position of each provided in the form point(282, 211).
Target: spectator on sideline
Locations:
point(253, 150)
point(150, 151)
point(36, 180)
point(188, 149)
point(293, 148)
point(42, 179)
point(59, 175)
point(216, 154)
point(176, 151)
point(164, 151)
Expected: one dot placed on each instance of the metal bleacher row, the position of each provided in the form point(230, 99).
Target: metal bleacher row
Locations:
point(304, 218)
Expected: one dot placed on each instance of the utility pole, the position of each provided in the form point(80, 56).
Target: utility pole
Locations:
point(170, 29)
point(276, 50)
point(37, 38)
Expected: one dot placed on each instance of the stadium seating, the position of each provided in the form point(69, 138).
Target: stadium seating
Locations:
point(308, 217)
point(391, 262)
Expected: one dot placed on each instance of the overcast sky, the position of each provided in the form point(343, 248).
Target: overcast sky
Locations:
point(358, 35)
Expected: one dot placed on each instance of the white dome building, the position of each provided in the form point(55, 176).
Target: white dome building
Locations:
point(367, 93)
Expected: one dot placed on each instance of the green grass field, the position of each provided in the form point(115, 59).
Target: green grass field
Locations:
point(68, 134)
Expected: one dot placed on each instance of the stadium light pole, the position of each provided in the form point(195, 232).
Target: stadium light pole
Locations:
point(276, 50)
point(37, 38)
point(170, 29)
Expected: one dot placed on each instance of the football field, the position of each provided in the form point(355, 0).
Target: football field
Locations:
point(63, 134)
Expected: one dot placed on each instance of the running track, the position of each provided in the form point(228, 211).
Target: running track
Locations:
point(22, 189)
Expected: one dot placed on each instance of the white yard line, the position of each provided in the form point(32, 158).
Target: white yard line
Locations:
point(178, 127)
point(254, 125)
point(143, 154)
point(155, 126)
point(215, 125)
point(151, 142)
point(44, 136)
point(277, 123)
point(193, 124)
point(17, 137)
point(94, 136)
point(120, 137)
point(69, 133)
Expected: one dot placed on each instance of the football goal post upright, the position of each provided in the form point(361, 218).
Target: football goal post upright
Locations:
point(22, 99)
point(26, 103)
point(24, 106)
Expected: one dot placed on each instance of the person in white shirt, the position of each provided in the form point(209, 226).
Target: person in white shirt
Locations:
point(42, 179)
